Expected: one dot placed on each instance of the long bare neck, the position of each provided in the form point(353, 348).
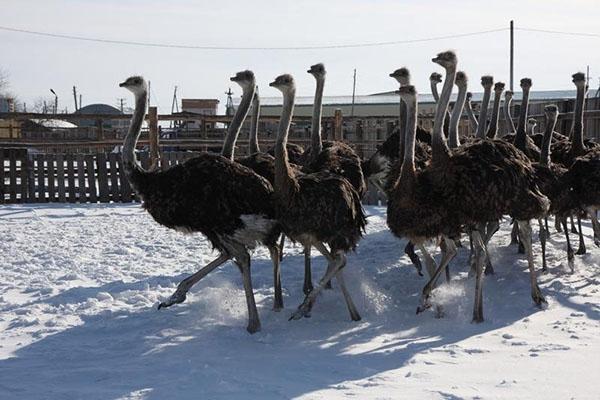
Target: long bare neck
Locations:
point(316, 143)
point(284, 177)
point(487, 93)
point(510, 125)
point(130, 162)
point(578, 118)
point(493, 128)
point(453, 138)
point(254, 148)
point(471, 115)
point(408, 169)
point(236, 123)
point(440, 151)
point(402, 128)
point(545, 157)
point(521, 135)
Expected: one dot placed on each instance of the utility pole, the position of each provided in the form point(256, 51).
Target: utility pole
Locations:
point(174, 105)
point(229, 111)
point(55, 101)
point(121, 103)
point(75, 97)
point(353, 93)
point(587, 83)
point(512, 55)
point(80, 103)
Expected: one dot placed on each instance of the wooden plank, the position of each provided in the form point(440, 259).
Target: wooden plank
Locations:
point(91, 178)
point(12, 176)
point(51, 189)
point(70, 159)
point(24, 176)
point(2, 190)
point(115, 193)
point(41, 178)
point(103, 194)
point(126, 192)
point(60, 177)
point(31, 179)
point(81, 178)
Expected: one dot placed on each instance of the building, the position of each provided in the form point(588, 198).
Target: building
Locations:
point(201, 107)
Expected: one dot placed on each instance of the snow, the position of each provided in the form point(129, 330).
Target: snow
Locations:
point(79, 286)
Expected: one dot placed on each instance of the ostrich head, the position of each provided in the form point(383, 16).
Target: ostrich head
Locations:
point(407, 93)
point(531, 124)
point(526, 83)
point(508, 95)
point(317, 70)
point(551, 111)
point(579, 79)
point(284, 83)
point(487, 81)
point(446, 59)
point(245, 79)
point(135, 84)
point(469, 96)
point(461, 80)
point(499, 88)
point(435, 77)
point(402, 75)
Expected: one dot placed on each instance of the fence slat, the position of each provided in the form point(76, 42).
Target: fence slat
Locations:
point(71, 177)
point(91, 178)
point(114, 177)
point(2, 190)
point(51, 189)
point(41, 178)
point(102, 178)
point(81, 178)
point(31, 178)
point(24, 176)
point(12, 175)
point(60, 177)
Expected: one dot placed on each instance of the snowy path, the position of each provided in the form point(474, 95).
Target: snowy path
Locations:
point(79, 286)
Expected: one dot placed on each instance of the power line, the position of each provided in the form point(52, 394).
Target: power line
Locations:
point(195, 47)
point(559, 32)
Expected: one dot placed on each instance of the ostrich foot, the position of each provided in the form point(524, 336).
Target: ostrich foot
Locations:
point(178, 297)
point(253, 327)
point(425, 304)
point(303, 311)
point(537, 297)
point(582, 249)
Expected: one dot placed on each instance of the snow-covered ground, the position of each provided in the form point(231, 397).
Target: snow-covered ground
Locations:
point(79, 287)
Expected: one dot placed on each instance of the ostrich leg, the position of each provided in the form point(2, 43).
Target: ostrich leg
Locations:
point(447, 256)
point(275, 256)
point(354, 315)
point(543, 237)
point(525, 232)
point(186, 284)
point(557, 224)
point(479, 247)
point(573, 229)
point(570, 253)
point(581, 249)
point(243, 262)
point(409, 249)
point(430, 263)
point(281, 247)
point(490, 230)
point(592, 212)
point(307, 287)
point(546, 226)
point(514, 234)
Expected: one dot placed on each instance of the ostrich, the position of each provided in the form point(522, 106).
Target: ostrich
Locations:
point(228, 203)
point(531, 124)
point(332, 156)
point(470, 113)
point(434, 79)
point(451, 193)
point(315, 208)
point(493, 128)
point(509, 124)
point(487, 82)
point(520, 138)
point(461, 82)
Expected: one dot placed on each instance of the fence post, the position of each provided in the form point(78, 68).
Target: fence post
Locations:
point(153, 137)
point(337, 124)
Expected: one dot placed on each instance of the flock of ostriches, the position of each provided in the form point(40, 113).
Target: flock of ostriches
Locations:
point(439, 186)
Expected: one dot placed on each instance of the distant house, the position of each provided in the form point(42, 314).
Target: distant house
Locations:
point(202, 107)
point(102, 109)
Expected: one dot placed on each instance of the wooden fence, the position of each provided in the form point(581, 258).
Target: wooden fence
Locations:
point(41, 178)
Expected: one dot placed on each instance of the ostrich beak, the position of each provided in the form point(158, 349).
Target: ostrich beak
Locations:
point(122, 84)
point(435, 59)
point(273, 84)
point(233, 79)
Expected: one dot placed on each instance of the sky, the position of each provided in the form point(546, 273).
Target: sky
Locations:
point(35, 64)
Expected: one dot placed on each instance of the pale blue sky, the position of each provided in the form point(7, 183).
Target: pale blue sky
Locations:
point(36, 63)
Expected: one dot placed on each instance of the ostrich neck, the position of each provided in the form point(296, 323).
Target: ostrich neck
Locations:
point(440, 151)
point(236, 123)
point(284, 178)
point(510, 126)
point(402, 128)
point(254, 148)
point(456, 114)
point(434, 91)
point(130, 162)
point(493, 128)
point(578, 119)
point(545, 156)
point(474, 123)
point(487, 93)
point(521, 135)
point(316, 142)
